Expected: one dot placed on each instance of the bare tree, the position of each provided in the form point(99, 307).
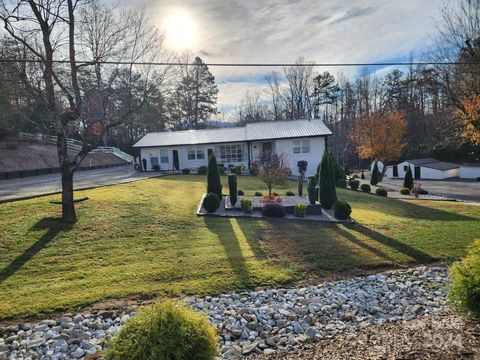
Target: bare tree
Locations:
point(273, 169)
point(47, 30)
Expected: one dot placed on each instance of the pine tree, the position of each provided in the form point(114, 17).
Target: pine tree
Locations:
point(328, 193)
point(197, 95)
point(375, 174)
point(408, 182)
point(214, 184)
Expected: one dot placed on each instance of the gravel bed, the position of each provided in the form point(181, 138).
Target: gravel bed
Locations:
point(255, 322)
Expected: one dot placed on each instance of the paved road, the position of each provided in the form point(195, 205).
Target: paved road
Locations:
point(45, 184)
point(466, 190)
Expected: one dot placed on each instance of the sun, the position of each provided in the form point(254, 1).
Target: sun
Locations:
point(180, 30)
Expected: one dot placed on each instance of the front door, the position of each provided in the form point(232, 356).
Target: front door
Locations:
point(267, 148)
point(417, 172)
point(395, 171)
point(176, 164)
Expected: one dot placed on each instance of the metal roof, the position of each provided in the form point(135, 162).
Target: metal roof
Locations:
point(422, 161)
point(440, 165)
point(254, 131)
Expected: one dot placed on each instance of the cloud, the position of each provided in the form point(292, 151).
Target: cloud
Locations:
point(334, 31)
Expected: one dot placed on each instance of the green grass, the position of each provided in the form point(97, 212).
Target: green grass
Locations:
point(144, 239)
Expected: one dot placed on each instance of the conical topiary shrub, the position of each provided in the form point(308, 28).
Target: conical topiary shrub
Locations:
point(328, 193)
point(312, 184)
point(232, 188)
point(300, 185)
point(214, 185)
point(375, 174)
point(408, 182)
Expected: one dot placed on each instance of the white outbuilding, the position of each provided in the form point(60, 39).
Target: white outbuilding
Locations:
point(244, 145)
point(469, 171)
point(425, 168)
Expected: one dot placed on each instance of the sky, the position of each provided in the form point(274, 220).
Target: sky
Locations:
point(323, 31)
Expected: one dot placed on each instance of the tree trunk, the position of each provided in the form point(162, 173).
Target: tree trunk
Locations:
point(68, 207)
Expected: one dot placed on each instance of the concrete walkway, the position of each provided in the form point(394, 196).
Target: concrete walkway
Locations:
point(46, 184)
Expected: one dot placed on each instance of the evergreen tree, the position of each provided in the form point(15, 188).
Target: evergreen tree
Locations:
point(375, 174)
point(214, 185)
point(232, 188)
point(328, 193)
point(300, 185)
point(408, 182)
point(197, 94)
point(312, 184)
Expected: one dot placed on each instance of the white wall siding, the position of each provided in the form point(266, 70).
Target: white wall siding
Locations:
point(434, 174)
point(469, 172)
point(317, 148)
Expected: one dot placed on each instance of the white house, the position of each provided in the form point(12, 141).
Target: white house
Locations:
point(469, 171)
point(426, 168)
point(176, 150)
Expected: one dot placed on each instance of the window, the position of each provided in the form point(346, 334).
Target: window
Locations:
point(196, 154)
point(405, 167)
point(301, 146)
point(163, 156)
point(231, 153)
point(153, 159)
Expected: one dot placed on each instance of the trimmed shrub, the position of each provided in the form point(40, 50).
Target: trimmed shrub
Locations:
point(365, 188)
point(275, 194)
point(465, 285)
point(375, 174)
point(300, 210)
point(328, 194)
point(356, 176)
point(362, 176)
point(342, 183)
point(240, 192)
point(246, 205)
point(273, 210)
point(232, 188)
point(253, 171)
point(354, 184)
point(258, 193)
point(186, 171)
point(164, 331)
point(289, 193)
point(214, 184)
point(317, 193)
point(408, 181)
point(300, 185)
point(221, 169)
point(302, 166)
point(211, 202)
point(405, 191)
point(156, 167)
point(381, 192)
point(341, 210)
point(202, 170)
point(311, 189)
point(423, 192)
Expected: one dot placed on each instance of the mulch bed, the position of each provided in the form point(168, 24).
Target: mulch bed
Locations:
point(446, 336)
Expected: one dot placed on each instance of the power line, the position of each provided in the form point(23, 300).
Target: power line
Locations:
point(85, 62)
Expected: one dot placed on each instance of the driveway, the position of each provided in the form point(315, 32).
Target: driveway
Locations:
point(459, 189)
point(46, 184)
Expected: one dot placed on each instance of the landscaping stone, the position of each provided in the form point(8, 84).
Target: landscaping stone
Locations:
point(255, 322)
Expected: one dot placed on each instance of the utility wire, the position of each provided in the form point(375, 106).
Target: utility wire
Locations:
point(85, 62)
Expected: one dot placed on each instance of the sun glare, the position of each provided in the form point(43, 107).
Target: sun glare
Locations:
point(180, 30)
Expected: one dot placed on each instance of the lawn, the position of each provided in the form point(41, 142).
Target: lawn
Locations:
point(144, 239)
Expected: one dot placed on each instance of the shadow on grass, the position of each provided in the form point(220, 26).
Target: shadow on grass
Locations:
point(53, 227)
point(417, 255)
point(229, 238)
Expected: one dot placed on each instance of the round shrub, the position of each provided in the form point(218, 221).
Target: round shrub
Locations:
point(342, 183)
point(273, 210)
point(246, 205)
point(211, 202)
point(381, 192)
point(164, 331)
point(465, 285)
point(240, 193)
point(405, 191)
point(289, 193)
point(366, 188)
point(342, 210)
point(354, 184)
point(258, 193)
point(300, 210)
point(186, 171)
point(275, 194)
point(202, 170)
